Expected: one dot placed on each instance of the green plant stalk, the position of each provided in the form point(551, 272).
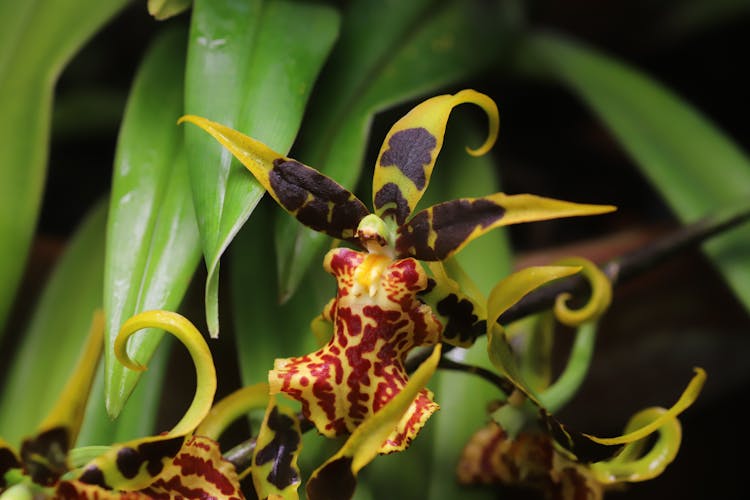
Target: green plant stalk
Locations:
point(36, 41)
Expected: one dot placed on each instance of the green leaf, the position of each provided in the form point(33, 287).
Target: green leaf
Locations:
point(420, 47)
point(265, 329)
point(56, 332)
point(36, 41)
point(251, 66)
point(697, 169)
point(152, 236)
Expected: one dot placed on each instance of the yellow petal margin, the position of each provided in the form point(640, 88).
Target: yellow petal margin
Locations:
point(410, 148)
point(442, 230)
point(337, 477)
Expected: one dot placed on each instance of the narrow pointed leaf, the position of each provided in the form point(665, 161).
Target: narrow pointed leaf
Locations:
point(421, 47)
point(695, 166)
point(36, 41)
point(444, 229)
point(251, 66)
point(152, 236)
point(57, 332)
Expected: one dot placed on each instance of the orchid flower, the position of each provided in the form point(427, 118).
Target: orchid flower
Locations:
point(386, 304)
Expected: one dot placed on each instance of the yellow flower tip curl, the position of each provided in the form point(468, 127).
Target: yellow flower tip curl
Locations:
point(599, 300)
point(489, 107)
point(632, 464)
point(688, 397)
point(188, 334)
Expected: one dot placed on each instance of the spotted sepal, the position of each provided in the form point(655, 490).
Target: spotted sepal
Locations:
point(314, 199)
point(275, 471)
point(581, 447)
point(337, 477)
point(182, 467)
point(440, 231)
point(407, 156)
point(464, 318)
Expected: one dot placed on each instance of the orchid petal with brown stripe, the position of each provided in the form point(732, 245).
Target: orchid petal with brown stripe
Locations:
point(411, 147)
point(440, 231)
point(315, 199)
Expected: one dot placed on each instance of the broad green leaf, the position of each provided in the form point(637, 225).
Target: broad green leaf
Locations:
point(56, 332)
point(251, 66)
point(36, 41)
point(697, 169)
point(420, 47)
point(152, 237)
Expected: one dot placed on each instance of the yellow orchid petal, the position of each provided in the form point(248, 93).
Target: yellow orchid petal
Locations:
point(135, 464)
point(464, 317)
point(45, 454)
point(316, 200)
point(232, 407)
point(337, 477)
point(442, 230)
point(410, 148)
point(688, 397)
point(188, 334)
point(631, 464)
point(275, 471)
point(601, 294)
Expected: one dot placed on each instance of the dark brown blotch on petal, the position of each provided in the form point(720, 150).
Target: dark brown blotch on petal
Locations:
point(130, 460)
point(45, 456)
point(463, 322)
point(280, 450)
point(8, 461)
point(390, 193)
point(316, 200)
point(452, 222)
point(94, 475)
point(410, 151)
point(333, 482)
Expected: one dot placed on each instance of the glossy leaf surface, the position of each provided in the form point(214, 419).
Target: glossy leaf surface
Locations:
point(251, 66)
point(152, 237)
